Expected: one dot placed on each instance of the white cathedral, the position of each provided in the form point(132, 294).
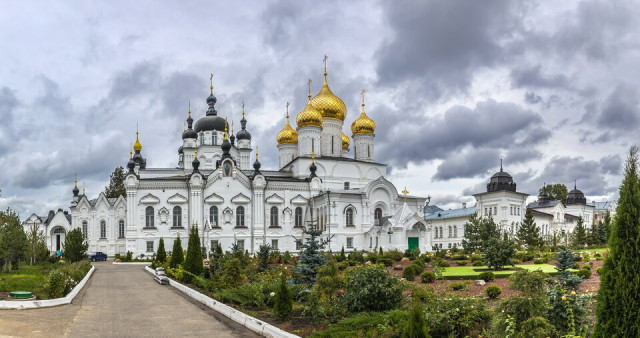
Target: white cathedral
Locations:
point(217, 189)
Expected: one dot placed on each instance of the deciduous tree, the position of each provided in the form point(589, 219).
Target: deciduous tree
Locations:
point(75, 247)
point(555, 191)
point(116, 184)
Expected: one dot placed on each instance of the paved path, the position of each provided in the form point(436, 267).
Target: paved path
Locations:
point(121, 301)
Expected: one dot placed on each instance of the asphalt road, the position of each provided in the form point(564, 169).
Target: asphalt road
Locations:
point(121, 301)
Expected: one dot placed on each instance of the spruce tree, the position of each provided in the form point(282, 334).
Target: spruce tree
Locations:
point(565, 260)
point(311, 256)
point(177, 255)
point(75, 248)
point(264, 253)
point(529, 232)
point(471, 241)
point(618, 305)
point(579, 236)
point(416, 325)
point(193, 262)
point(161, 255)
point(607, 227)
point(283, 304)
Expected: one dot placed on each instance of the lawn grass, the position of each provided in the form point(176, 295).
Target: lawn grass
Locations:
point(467, 272)
point(27, 278)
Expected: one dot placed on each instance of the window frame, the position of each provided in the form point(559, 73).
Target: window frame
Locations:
point(273, 217)
point(149, 216)
point(297, 214)
point(240, 217)
point(213, 216)
point(103, 229)
point(349, 217)
point(177, 217)
point(121, 229)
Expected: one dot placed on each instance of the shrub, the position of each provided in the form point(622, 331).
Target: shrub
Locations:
point(477, 263)
point(442, 263)
point(371, 288)
point(418, 265)
point(460, 286)
point(537, 327)
point(62, 280)
point(538, 261)
point(576, 266)
point(460, 257)
point(416, 325)
point(586, 267)
point(487, 276)
point(422, 294)
point(284, 302)
point(584, 273)
point(493, 291)
point(428, 277)
point(161, 256)
point(343, 265)
point(441, 253)
point(600, 270)
point(386, 261)
point(525, 256)
point(409, 273)
point(233, 275)
point(426, 257)
point(129, 256)
point(395, 255)
point(56, 284)
point(463, 262)
point(412, 254)
point(457, 317)
point(177, 256)
point(475, 257)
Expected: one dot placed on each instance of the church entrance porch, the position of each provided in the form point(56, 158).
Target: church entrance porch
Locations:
point(57, 238)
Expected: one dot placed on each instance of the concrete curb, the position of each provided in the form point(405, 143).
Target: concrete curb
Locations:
point(34, 304)
point(251, 323)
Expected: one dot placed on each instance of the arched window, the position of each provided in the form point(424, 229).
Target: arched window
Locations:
point(455, 231)
point(177, 216)
point(298, 217)
point(213, 216)
point(149, 217)
point(377, 215)
point(441, 233)
point(85, 229)
point(240, 216)
point(450, 232)
point(214, 139)
point(103, 229)
point(349, 217)
point(121, 229)
point(273, 216)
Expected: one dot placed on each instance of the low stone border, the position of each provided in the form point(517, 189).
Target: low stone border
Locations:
point(34, 304)
point(251, 323)
point(133, 263)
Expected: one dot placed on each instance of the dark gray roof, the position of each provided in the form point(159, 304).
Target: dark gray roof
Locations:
point(430, 209)
point(543, 204)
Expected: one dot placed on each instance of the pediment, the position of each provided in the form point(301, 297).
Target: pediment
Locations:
point(241, 199)
point(149, 199)
point(275, 199)
point(299, 200)
point(177, 199)
point(214, 199)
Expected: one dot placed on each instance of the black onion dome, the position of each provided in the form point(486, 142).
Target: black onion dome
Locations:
point(76, 190)
point(226, 146)
point(243, 134)
point(211, 121)
point(189, 133)
point(256, 166)
point(232, 139)
point(575, 196)
point(195, 163)
point(501, 181)
point(131, 165)
point(544, 197)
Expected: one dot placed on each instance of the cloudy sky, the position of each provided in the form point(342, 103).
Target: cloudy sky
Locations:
point(550, 87)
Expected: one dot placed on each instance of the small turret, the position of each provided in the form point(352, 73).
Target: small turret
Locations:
point(196, 162)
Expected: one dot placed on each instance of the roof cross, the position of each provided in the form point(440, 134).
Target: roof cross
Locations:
point(211, 81)
point(405, 192)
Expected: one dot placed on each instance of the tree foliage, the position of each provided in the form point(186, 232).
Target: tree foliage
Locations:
point(193, 262)
point(161, 255)
point(36, 245)
point(264, 253)
point(371, 288)
point(13, 240)
point(116, 184)
point(618, 305)
point(177, 255)
point(529, 233)
point(75, 247)
point(311, 256)
point(416, 325)
point(556, 191)
point(283, 304)
point(478, 231)
point(530, 302)
point(579, 236)
point(498, 252)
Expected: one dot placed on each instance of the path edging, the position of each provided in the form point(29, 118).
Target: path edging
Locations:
point(34, 304)
point(251, 323)
point(133, 263)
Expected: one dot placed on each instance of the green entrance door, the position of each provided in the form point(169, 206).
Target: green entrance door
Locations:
point(413, 243)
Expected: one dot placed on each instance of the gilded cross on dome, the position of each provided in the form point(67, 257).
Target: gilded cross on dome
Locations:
point(211, 80)
point(309, 84)
point(325, 62)
point(287, 109)
point(405, 192)
point(362, 92)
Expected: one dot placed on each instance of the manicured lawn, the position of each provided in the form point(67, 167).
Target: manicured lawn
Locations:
point(468, 272)
point(28, 278)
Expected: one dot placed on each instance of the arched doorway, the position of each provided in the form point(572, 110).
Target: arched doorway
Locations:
point(57, 238)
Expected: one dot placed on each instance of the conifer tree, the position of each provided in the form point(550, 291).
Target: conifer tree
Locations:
point(116, 184)
point(161, 255)
point(311, 256)
point(75, 247)
point(177, 255)
point(416, 325)
point(264, 253)
point(193, 262)
point(283, 304)
point(579, 236)
point(565, 259)
point(607, 227)
point(529, 232)
point(618, 305)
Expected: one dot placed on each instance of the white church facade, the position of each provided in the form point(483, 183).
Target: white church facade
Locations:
point(216, 188)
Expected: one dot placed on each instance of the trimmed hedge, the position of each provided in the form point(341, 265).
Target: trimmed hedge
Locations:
point(409, 273)
point(428, 277)
point(487, 276)
point(584, 273)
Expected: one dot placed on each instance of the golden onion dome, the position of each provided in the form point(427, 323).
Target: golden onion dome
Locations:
point(331, 106)
point(345, 141)
point(287, 135)
point(363, 124)
point(309, 116)
point(137, 146)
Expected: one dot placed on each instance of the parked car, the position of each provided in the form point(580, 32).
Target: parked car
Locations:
point(97, 256)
